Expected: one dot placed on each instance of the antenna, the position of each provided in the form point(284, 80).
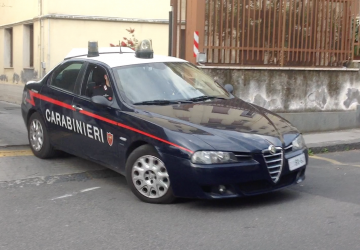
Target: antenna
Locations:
point(120, 47)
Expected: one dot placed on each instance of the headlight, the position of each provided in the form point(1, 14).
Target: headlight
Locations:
point(298, 143)
point(212, 157)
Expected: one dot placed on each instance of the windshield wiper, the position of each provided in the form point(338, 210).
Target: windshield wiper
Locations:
point(204, 98)
point(156, 102)
point(162, 102)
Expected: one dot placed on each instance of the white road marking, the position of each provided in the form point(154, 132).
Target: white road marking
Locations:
point(74, 193)
point(89, 189)
point(62, 197)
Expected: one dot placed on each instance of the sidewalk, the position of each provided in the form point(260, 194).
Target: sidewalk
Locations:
point(11, 92)
point(333, 141)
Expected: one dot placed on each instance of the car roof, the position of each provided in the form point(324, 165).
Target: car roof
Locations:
point(113, 58)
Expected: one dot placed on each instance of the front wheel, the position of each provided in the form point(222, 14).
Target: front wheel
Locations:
point(147, 176)
point(38, 137)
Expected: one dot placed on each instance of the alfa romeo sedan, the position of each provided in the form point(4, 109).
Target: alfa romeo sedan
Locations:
point(163, 123)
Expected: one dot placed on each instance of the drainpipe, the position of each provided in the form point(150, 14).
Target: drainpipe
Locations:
point(48, 56)
point(42, 68)
point(170, 32)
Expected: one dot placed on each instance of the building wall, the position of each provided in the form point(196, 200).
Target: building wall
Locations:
point(145, 9)
point(21, 71)
point(12, 11)
point(294, 90)
point(60, 26)
point(103, 32)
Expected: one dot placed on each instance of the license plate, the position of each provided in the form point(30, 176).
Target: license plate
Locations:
point(297, 162)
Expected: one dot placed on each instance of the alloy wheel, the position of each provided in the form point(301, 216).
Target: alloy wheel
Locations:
point(150, 176)
point(36, 135)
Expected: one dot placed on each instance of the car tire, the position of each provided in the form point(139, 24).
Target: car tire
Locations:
point(38, 137)
point(147, 176)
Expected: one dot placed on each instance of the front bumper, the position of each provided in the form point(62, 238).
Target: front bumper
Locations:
point(229, 180)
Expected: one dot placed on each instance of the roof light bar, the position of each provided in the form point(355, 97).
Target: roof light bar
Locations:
point(144, 49)
point(93, 49)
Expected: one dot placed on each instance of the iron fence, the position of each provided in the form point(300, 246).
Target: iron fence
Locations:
point(279, 32)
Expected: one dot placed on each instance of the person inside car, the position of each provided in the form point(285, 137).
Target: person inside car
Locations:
point(102, 86)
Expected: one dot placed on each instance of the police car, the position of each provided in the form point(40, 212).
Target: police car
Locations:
point(163, 123)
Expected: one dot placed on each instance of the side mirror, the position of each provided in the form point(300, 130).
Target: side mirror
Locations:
point(229, 88)
point(100, 100)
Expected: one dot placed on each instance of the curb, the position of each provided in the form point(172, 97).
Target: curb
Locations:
point(334, 148)
point(14, 146)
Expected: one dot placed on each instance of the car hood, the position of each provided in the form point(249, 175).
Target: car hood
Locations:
point(232, 125)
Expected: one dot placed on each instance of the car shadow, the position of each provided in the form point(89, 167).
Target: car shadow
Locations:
point(250, 202)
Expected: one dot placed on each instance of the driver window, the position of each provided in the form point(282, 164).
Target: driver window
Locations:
point(96, 82)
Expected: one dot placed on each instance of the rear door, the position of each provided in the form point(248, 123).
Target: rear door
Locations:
point(97, 133)
point(56, 103)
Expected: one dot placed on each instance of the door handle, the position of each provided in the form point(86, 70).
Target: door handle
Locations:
point(77, 107)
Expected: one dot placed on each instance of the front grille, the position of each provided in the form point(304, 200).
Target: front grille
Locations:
point(274, 163)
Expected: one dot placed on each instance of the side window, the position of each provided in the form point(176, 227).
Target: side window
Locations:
point(94, 78)
point(65, 76)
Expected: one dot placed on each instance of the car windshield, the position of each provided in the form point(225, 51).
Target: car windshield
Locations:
point(152, 83)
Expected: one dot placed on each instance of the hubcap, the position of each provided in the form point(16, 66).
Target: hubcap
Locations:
point(150, 176)
point(36, 135)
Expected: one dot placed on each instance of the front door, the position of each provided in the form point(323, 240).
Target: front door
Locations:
point(97, 133)
point(56, 105)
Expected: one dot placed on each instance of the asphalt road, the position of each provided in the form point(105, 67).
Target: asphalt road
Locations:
point(70, 203)
point(102, 213)
point(12, 127)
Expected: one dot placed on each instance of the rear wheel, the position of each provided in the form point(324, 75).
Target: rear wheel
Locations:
point(38, 137)
point(147, 176)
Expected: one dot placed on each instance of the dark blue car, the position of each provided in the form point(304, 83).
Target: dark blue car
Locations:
point(164, 124)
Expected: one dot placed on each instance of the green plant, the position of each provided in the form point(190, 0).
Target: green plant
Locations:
point(310, 152)
point(325, 150)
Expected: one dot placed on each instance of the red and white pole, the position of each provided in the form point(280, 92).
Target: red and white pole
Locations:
point(196, 43)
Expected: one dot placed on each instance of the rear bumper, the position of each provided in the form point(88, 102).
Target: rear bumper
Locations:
point(228, 180)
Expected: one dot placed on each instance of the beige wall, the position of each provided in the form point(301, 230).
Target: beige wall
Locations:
point(62, 33)
point(147, 9)
point(58, 36)
point(12, 11)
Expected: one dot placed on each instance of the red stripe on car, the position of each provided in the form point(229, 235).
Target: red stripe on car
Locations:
point(56, 102)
